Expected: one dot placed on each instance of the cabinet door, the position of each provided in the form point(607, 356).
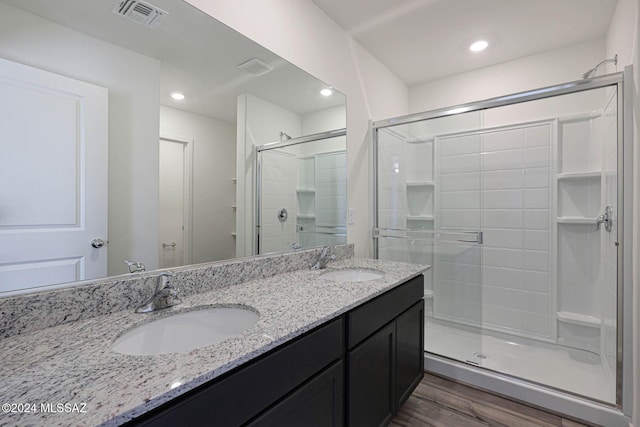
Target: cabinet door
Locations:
point(317, 403)
point(409, 351)
point(371, 380)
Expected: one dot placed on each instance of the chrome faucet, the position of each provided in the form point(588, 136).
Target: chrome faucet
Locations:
point(323, 259)
point(135, 266)
point(295, 246)
point(164, 296)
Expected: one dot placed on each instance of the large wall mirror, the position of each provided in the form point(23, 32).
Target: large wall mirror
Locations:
point(128, 132)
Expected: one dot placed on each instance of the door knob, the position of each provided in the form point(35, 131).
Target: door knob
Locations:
point(97, 243)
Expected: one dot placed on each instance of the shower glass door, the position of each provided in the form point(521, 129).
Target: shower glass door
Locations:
point(515, 208)
point(428, 212)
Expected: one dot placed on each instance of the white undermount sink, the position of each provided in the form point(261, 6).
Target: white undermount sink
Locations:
point(183, 332)
point(353, 275)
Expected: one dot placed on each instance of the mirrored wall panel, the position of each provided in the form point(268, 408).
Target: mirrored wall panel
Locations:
point(127, 136)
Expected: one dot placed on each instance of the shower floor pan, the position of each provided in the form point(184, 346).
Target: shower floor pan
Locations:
point(571, 370)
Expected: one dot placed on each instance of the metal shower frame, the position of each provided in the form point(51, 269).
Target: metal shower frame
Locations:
point(624, 377)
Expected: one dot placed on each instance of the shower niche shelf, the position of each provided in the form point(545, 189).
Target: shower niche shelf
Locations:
point(420, 200)
point(420, 184)
point(579, 175)
point(420, 217)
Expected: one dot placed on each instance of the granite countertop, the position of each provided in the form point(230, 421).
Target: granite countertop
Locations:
point(73, 363)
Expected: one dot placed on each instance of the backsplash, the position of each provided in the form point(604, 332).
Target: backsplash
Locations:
point(30, 312)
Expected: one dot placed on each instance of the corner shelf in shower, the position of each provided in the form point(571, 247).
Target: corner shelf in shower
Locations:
point(305, 190)
point(234, 234)
point(420, 217)
point(579, 175)
point(306, 216)
point(578, 319)
point(428, 293)
point(420, 184)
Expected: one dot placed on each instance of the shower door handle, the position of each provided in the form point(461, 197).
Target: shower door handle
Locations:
point(606, 218)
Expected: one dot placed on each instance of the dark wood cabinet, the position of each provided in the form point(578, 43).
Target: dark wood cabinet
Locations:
point(356, 370)
point(409, 352)
point(385, 342)
point(319, 403)
point(371, 380)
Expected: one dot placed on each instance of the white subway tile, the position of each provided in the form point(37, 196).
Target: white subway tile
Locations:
point(503, 238)
point(503, 140)
point(536, 240)
point(537, 136)
point(459, 218)
point(498, 257)
point(460, 200)
point(536, 157)
point(459, 164)
point(495, 218)
point(503, 277)
point(455, 146)
point(498, 160)
point(536, 177)
point(535, 260)
point(502, 199)
point(537, 198)
point(502, 180)
point(460, 181)
point(536, 219)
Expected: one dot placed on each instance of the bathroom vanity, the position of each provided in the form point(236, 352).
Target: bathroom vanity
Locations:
point(324, 352)
point(364, 364)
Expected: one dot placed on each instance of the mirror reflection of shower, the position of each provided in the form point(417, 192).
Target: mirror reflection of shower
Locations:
point(307, 176)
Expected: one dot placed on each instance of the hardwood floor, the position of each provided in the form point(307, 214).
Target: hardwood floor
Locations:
point(443, 403)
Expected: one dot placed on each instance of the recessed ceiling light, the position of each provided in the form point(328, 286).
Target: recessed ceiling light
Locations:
point(478, 46)
point(177, 96)
point(326, 92)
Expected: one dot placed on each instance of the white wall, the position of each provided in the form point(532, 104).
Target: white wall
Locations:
point(324, 120)
point(544, 69)
point(301, 33)
point(133, 81)
point(214, 152)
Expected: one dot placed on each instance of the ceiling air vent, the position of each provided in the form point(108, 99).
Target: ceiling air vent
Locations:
point(140, 12)
point(256, 67)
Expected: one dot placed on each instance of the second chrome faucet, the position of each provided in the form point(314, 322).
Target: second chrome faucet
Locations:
point(165, 295)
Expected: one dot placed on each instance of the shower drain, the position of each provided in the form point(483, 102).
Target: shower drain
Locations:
point(480, 355)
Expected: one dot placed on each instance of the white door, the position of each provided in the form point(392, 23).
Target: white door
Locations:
point(53, 178)
point(172, 203)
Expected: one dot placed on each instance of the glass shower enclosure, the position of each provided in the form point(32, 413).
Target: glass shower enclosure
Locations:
point(516, 204)
point(301, 188)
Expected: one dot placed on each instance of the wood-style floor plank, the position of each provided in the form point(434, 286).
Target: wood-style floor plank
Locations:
point(441, 402)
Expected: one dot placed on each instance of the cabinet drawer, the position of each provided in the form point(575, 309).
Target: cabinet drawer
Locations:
point(240, 396)
point(373, 315)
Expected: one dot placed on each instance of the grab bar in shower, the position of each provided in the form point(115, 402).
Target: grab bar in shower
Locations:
point(453, 236)
point(340, 230)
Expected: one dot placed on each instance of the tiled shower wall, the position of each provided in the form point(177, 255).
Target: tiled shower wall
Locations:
point(497, 181)
point(278, 191)
point(331, 195)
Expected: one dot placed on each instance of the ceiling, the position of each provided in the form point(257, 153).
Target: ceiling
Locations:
point(423, 40)
point(199, 56)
